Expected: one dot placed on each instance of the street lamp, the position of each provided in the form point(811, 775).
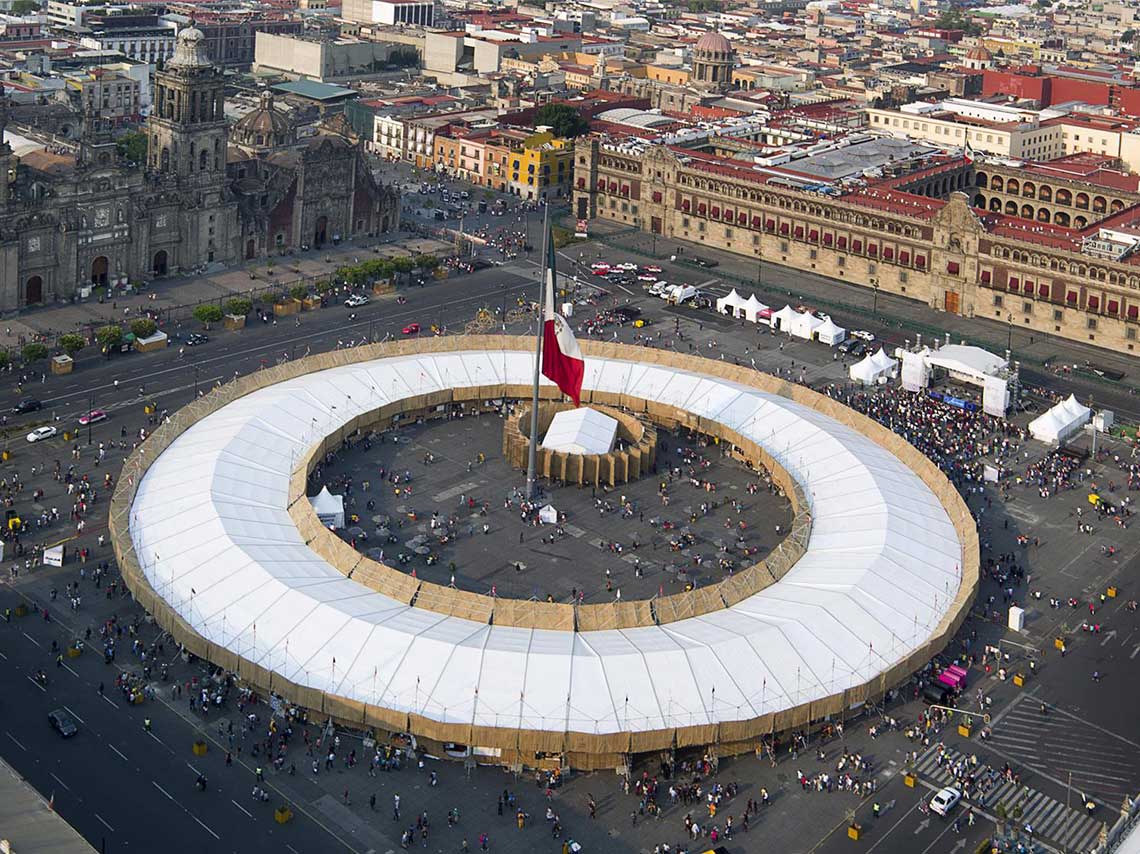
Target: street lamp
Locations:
point(90, 409)
point(1009, 331)
point(196, 369)
point(875, 303)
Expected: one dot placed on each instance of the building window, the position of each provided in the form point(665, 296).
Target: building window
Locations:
point(840, 261)
point(1027, 307)
point(904, 277)
point(684, 222)
point(1092, 323)
point(1058, 315)
point(783, 246)
point(813, 254)
point(997, 300)
point(1130, 333)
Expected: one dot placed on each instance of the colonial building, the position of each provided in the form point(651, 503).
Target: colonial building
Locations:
point(73, 220)
point(915, 235)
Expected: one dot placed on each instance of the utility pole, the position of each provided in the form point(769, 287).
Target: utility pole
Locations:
point(91, 408)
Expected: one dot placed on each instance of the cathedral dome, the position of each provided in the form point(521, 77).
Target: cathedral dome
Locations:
point(979, 53)
point(713, 43)
point(190, 50)
point(265, 127)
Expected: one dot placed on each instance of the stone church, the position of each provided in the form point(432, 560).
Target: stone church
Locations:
point(87, 218)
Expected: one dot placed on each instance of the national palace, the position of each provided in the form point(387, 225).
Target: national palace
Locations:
point(1047, 247)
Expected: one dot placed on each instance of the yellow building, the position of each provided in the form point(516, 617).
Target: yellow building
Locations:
point(540, 166)
point(668, 74)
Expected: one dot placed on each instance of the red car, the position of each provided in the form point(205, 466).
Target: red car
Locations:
point(93, 417)
point(412, 329)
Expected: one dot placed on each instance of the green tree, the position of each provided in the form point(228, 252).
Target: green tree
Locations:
point(207, 313)
point(34, 352)
point(24, 7)
point(132, 146)
point(954, 19)
point(109, 336)
point(4, 358)
point(403, 264)
point(1126, 36)
point(426, 262)
point(298, 292)
point(71, 343)
point(239, 306)
point(143, 327)
point(565, 122)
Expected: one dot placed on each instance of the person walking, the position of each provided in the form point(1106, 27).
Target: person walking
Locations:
point(395, 807)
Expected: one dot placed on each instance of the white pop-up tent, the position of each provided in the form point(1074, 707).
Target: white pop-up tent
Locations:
point(805, 325)
point(329, 508)
point(1058, 424)
point(547, 515)
point(752, 308)
point(829, 333)
point(730, 304)
point(581, 431)
point(864, 371)
point(886, 365)
point(784, 318)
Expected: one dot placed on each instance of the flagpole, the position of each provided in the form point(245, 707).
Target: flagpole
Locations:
point(533, 454)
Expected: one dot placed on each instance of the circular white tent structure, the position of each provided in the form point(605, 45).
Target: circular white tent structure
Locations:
point(204, 523)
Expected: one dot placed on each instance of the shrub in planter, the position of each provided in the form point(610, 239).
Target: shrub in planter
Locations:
point(34, 352)
point(324, 287)
point(143, 327)
point(109, 336)
point(71, 343)
point(207, 314)
point(239, 306)
point(298, 292)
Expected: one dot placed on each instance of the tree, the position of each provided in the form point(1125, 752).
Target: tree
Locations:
point(298, 292)
point(4, 358)
point(72, 343)
point(207, 313)
point(34, 352)
point(239, 306)
point(24, 7)
point(565, 122)
point(143, 327)
point(132, 146)
point(109, 336)
point(426, 262)
point(403, 264)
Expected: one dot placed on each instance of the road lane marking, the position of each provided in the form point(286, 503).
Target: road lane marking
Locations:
point(15, 740)
point(102, 822)
point(192, 768)
point(61, 782)
point(155, 737)
point(153, 783)
point(123, 755)
point(204, 827)
point(37, 684)
point(68, 709)
point(240, 807)
point(69, 670)
point(29, 637)
point(109, 700)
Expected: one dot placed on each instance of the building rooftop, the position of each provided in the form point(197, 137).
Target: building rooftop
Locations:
point(314, 91)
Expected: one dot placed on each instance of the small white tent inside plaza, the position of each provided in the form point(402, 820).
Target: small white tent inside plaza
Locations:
point(329, 508)
point(864, 371)
point(753, 308)
point(886, 365)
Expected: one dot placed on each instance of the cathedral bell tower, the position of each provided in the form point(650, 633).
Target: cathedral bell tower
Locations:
point(187, 129)
point(7, 158)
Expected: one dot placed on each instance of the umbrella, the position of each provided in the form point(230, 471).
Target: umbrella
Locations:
point(375, 554)
point(356, 532)
point(422, 550)
point(382, 532)
point(413, 542)
point(382, 519)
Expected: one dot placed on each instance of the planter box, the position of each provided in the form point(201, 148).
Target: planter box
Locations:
point(199, 748)
point(854, 831)
point(282, 815)
point(311, 303)
point(234, 322)
point(381, 288)
point(909, 780)
point(157, 341)
point(1019, 680)
point(62, 364)
point(1111, 593)
point(289, 307)
point(1058, 643)
point(963, 730)
point(441, 272)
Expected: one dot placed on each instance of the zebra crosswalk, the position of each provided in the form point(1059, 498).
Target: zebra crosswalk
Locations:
point(1051, 820)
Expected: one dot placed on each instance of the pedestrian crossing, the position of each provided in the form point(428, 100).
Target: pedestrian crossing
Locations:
point(1071, 829)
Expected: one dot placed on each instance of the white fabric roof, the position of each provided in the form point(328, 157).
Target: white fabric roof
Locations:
point(864, 371)
point(786, 316)
point(1058, 423)
point(966, 359)
point(829, 332)
point(326, 504)
point(805, 324)
point(752, 307)
point(732, 299)
point(884, 362)
point(214, 538)
point(581, 431)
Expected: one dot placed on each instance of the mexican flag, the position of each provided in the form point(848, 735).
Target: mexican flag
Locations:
point(562, 361)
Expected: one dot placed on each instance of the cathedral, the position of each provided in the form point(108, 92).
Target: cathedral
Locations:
point(69, 221)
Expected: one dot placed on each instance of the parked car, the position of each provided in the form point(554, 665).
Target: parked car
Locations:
point(412, 329)
point(27, 404)
point(853, 347)
point(864, 334)
point(356, 301)
point(40, 433)
point(942, 803)
point(62, 723)
point(196, 338)
point(93, 417)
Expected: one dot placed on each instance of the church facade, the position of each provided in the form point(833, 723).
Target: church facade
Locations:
point(68, 221)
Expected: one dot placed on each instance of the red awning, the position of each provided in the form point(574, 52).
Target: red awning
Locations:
point(828, 239)
point(1113, 306)
point(784, 227)
point(770, 224)
point(920, 260)
point(1071, 297)
point(685, 204)
point(952, 267)
point(755, 222)
point(1043, 290)
point(1133, 312)
point(888, 253)
point(856, 245)
point(813, 235)
point(986, 276)
point(1014, 284)
point(842, 242)
point(799, 232)
point(1094, 303)
point(656, 196)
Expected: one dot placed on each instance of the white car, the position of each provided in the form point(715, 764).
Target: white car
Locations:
point(42, 433)
point(647, 277)
point(942, 803)
point(864, 334)
point(599, 265)
point(653, 268)
point(657, 289)
point(356, 301)
point(628, 266)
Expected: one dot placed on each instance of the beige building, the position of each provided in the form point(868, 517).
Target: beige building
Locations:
point(1004, 132)
point(299, 57)
point(921, 239)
